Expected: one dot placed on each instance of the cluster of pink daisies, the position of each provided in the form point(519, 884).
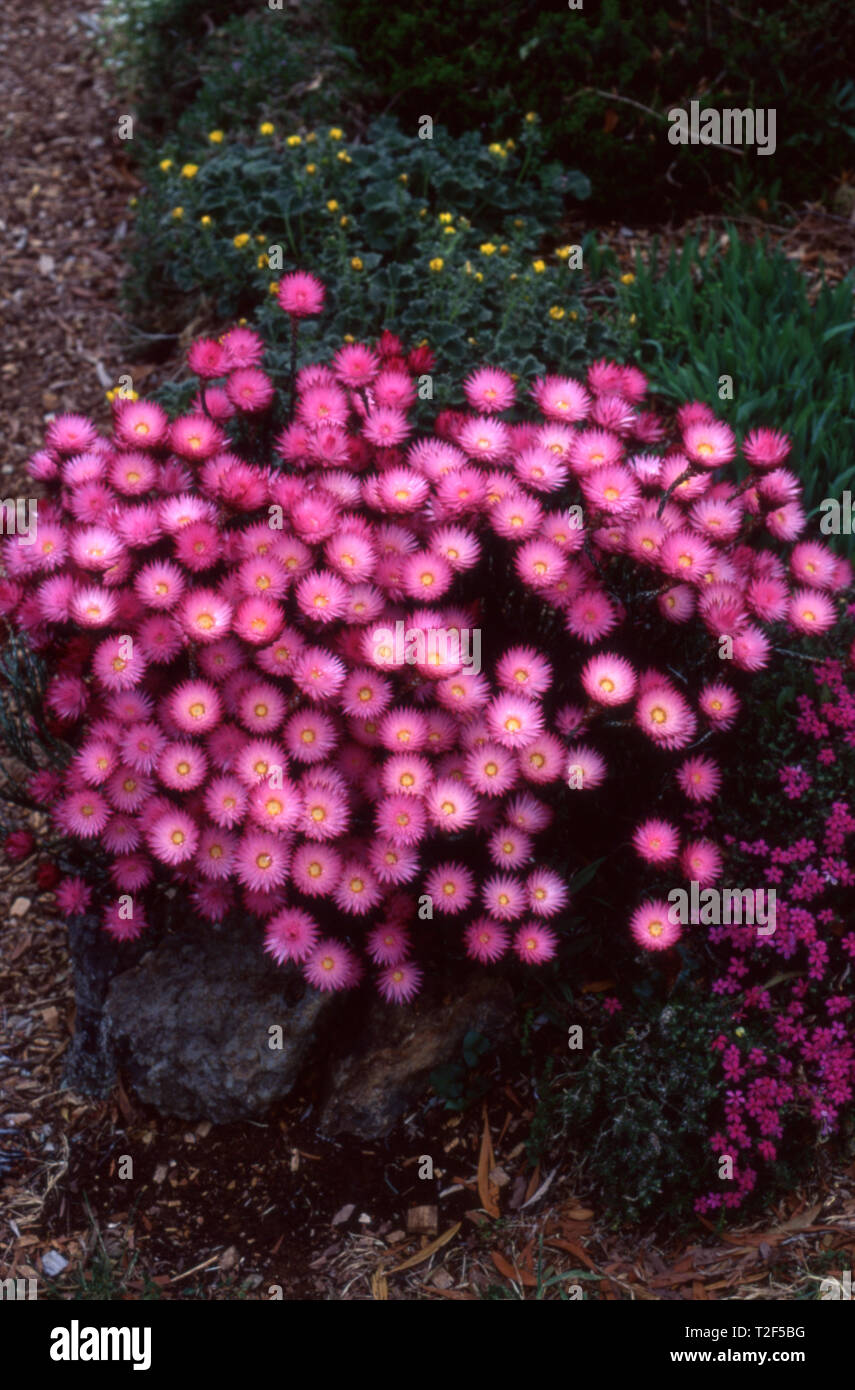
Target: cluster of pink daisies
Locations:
point(211, 625)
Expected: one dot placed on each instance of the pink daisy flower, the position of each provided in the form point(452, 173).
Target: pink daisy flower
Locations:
point(262, 861)
point(216, 853)
point(205, 616)
point(331, 966)
point(504, 897)
point(490, 390)
point(316, 870)
point(392, 863)
point(358, 890)
point(451, 887)
point(546, 892)
point(491, 769)
point(590, 615)
point(400, 983)
point(701, 860)
point(752, 648)
point(585, 768)
point(609, 679)
point(513, 720)
point(656, 841)
point(709, 443)
point(561, 398)
point(300, 294)
point(291, 935)
point(182, 766)
point(814, 565)
point(719, 704)
point(356, 364)
point(173, 837)
point(509, 848)
point(809, 611)
point(535, 943)
point(699, 778)
point(542, 761)
point(485, 940)
point(765, 448)
point(83, 814)
point(195, 706)
point(665, 716)
point(388, 944)
point(652, 928)
point(451, 807)
point(524, 669)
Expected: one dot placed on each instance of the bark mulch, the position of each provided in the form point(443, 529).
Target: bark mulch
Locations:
point(63, 214)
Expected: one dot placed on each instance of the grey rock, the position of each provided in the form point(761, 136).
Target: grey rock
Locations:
point(190, 1026)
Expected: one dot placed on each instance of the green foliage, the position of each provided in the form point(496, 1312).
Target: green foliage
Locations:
point(744, 312)
point(434, 239)
point(460, 1084)
point(636, 1109)
point(188, 68)
point(603, 78)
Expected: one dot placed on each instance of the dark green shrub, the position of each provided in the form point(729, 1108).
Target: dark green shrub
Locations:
point(603, 78)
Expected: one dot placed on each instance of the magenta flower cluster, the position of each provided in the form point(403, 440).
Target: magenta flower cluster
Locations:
point(793, 987)
point(220, 636)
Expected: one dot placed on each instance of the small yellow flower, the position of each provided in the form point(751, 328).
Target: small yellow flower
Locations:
point(479, 275)
point(437, 263)
point(241, 239)
point(349, 338)
point(344, 157)
point(486, 248)
point(573, 314)
point(189, 171)
point(513, 276)
point(266, 128)
point(132, 202)
point(273, 287)
point(538, 267)
point(449, 231)
point(332, 205)
point(468, 267)
point(531, 118)
point(355, 263)
point(263, 261)
point(177, 212)
point(556, 312)
point(473, 341)
point(495, 148)
point(510, 145)
point(445, 217)
point(632, 318)
point(311, 168)
point(562, 252)
point(422, 212)
point(519, 222)
point(293, 140)
point(311, 138)
point(504, 249)
point(206, 220)
point(335, 133)
point(403, 178)
point(343, 221)
point(261, 238)
point(165, 164)
point(628, 278)
point(216, 137)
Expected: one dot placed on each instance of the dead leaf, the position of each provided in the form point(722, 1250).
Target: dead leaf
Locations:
point(379, 1287)
point(610, 120)
point(509, 1271)
point(429, 1250)
point(487, 1191)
